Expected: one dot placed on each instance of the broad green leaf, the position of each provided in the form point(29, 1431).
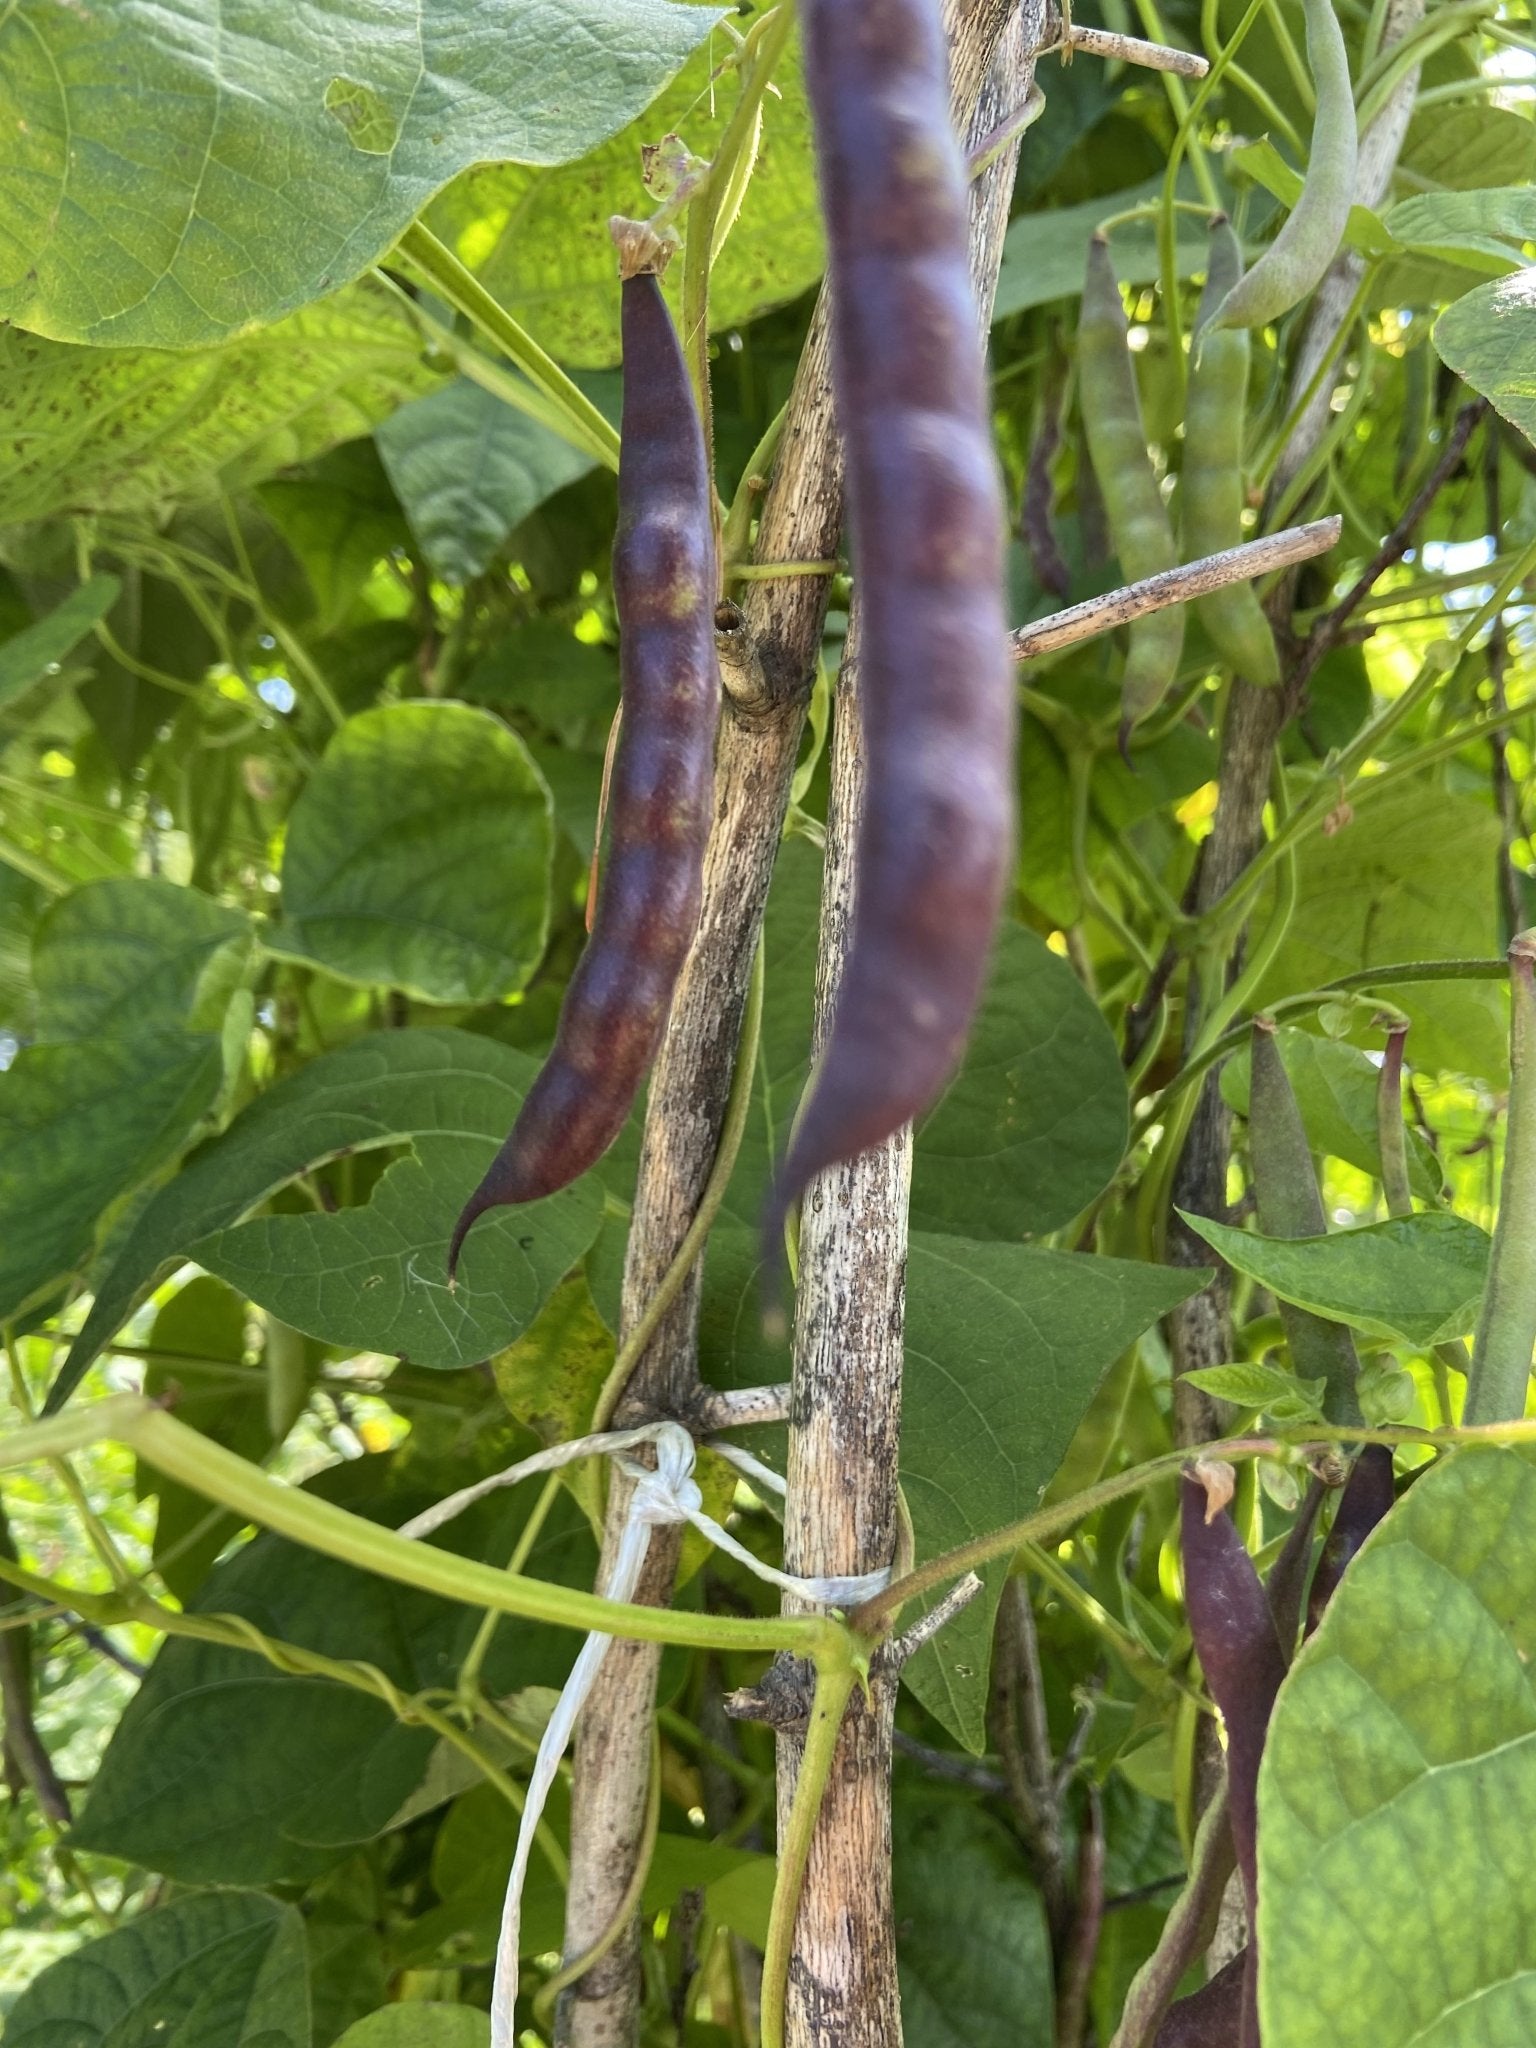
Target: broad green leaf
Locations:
point(273, 158)
point(418, 856)
point(136, 953)
point(203, 1779)
point(39, 651)
point(467, 468)
point(1034, 1124)
point(1044, 252)
point(208, 1970)
point(972, 1948)
point(1367, 896)
point(1398, 1791)
point(420, 2024)
point(1462, 149)
point(453, 1091)
point(80, 1125)
point(1414, 1278)
point(1489, 339)
point(376, 1278)
point(513, 225)
point(1475, 228)
point(144, 430)
point(22, 903)
point(1335, 1086)
point(1006, 1346)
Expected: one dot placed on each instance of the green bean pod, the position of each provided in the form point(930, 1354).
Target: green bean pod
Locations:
point(1138, 519)
point(1294, 263)
point(1211, 487)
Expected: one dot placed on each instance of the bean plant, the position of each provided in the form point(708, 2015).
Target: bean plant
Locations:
point(856, 675)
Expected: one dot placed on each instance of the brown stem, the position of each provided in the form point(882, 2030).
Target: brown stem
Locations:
point(1023, 1738)
point(841, 1513)
point(1075, 1974)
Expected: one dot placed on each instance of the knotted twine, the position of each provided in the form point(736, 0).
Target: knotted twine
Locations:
point(667, 1495)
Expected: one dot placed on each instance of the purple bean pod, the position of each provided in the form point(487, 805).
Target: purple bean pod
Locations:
point(1212, 2016)
point(1239, 1650)
point(937, 690)
point(1366, 1500)
point(661, 798)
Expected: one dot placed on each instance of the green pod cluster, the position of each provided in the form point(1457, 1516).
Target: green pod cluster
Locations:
point(1139, 526)
point(1211, 488)
point(1295, 261)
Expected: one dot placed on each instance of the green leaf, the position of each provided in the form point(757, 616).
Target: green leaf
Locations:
point(1335, 1085)
point(1367, 896)
point(204, 1780)
point(513, 225)
point(1398, 1790)
point(1263, 1387)
point(38, 651)
point(211, 1970)
point(418, 856)
point(454, 1091)
point(1417, 1278)
point(1031, 1128)
point(1473, 227)
point(81, 1124)
point(467, 468)
point(144, 430)
point(1489, 339)
point(1006, 1345)
point(972, 1947)
point(570, 687)
point(137, 951)
point(345, 1914)
point(420, 2024)
point(1262, 162)
point(275, 159)
point(1044, 253)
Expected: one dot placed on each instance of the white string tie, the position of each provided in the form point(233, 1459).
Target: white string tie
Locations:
point(662, 1497)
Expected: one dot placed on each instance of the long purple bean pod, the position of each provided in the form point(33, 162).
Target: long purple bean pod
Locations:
point(936, 841)
point(661, 797)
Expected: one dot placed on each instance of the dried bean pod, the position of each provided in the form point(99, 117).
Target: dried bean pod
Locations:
point(1211, 484)
point(1139, 525)
point(661, 796)
point(1295, 261)
point(1366, 1500)
point(937, 692)
point(1290, 1206)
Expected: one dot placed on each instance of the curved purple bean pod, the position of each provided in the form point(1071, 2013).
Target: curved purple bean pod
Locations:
point(936, 841)
point(1367, 1497)
point(1210, 2017)
point(661, 800)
